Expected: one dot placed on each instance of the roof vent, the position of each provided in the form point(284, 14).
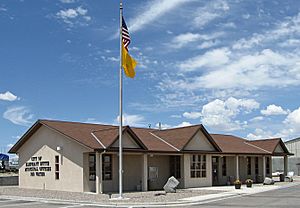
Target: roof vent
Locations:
point(159, 125)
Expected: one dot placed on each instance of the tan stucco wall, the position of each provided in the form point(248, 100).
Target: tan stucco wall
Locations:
point(163, 164)
point(127, 142)
point(44, 143)
point(197, 182)
point(132, 175)
point(199, 142)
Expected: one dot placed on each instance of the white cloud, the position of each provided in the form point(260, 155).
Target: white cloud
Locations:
point(132, 120)
point(213, 58)
point(221, 115)
point(74, 16)
point(192, 115)
point(274, 110)
point(260, 134)
point(154, 10)
point(210, 12)
point(285, 28)
point(67, 1)
point(229, 70)
point(184, 39)
point(8, 96)
point(183, 124)
point(18, 115)
point(292, 122)
point(257, 118)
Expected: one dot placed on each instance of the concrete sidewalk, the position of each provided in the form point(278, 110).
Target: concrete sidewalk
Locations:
point(145, 199)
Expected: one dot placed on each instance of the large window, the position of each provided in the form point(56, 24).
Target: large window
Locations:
point(249, 165)
point(175, 166)
point(198, 166)
point(224, 166)
point(268, 165)
point(107, 167)
point(92, 167)
point(256, 165)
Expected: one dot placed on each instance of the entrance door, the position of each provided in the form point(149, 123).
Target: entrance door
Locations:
point(215, 170)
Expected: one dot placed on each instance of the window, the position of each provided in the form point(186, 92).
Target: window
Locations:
point(224, 168)
point(249, 165)
point(175, 166)
point(56, 167)
point(92, 167)
point(256, 165)
point(268, 165)
point(107, 167)
point(198, 166)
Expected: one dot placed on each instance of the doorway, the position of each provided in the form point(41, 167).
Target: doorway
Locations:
point(215, 170)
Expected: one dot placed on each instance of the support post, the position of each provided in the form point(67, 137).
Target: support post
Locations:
point(285, 165)
point(237, 167)
point(98, 173)
point(264, 167)
point(145, 173)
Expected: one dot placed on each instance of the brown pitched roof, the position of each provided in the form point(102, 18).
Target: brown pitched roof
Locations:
point(234, 144)
point(98, 136)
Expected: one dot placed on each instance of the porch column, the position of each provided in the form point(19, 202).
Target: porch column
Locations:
point(264, 167)
point(145, 173)
point(237, 167)
point(285, 170)
point(99, 189)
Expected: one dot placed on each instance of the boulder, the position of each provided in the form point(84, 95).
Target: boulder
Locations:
point(268, 181)
point(170, 186)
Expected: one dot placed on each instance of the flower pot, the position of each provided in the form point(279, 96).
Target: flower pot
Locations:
point(237, 186)
point(249, 185)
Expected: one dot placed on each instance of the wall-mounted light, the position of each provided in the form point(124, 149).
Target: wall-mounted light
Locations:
point(58, 148)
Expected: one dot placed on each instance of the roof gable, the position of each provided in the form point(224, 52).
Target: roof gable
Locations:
point(199, 142)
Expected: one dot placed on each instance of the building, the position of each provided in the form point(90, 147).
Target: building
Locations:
point(294, 161)
point(81, 157)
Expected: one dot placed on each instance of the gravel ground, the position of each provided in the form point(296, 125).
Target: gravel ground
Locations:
point(134, 197)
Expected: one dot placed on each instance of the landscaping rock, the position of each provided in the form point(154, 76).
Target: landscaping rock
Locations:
point(170, 186)
point(268, 181)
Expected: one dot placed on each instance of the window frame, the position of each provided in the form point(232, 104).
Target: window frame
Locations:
point(109, 166)
point(198, 166)
point(224, 166)
point(56, 167)
point(92, 167)
point(249, 166)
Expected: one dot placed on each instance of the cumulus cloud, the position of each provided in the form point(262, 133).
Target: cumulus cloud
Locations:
point(74, 16)
point(132, 120)
point(292, 121)
point(211, 11)
point(192, 115)
point(19, 115)
point(260, 134)
point(183, 124)
point(221, 115)
point(8, 96)
point(274, 110)
point(156, 9)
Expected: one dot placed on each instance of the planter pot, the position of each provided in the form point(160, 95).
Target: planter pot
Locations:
point(237, 186)
point(249, 185)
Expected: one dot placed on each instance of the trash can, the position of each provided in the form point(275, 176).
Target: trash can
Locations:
point(281, 177)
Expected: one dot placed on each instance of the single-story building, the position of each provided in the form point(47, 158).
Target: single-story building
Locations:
point(82, 157)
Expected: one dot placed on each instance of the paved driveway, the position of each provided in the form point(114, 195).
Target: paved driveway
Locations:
point(280, 198)
point(14, 203)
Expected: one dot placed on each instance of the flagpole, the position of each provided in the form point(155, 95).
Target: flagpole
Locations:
point(121, 110)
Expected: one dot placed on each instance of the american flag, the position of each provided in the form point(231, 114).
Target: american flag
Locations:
point(125, 35)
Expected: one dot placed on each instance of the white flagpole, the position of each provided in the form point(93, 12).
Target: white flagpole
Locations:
point(121, 110)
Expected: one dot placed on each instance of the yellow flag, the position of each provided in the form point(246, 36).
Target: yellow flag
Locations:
point(128, 63)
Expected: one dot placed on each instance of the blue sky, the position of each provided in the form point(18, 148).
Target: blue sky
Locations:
point(231, 65)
